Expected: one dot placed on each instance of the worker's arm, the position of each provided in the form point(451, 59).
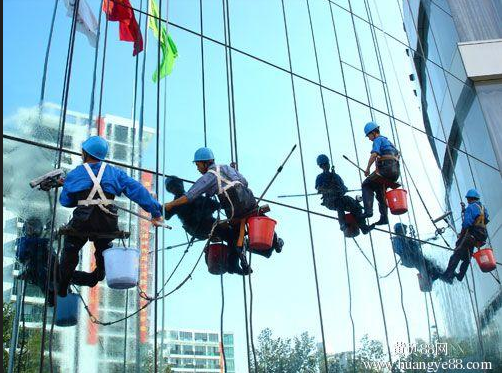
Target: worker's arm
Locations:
point(177, 202)
point(470, 216)
point(136, 192)
point(66, 198)
point(372, 160)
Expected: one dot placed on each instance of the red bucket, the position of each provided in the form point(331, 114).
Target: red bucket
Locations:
point(261, 232)
point(424, 283)
point(352, 229)
point(350, 219)
point(485, 259)
point(396, 200)
point(216, 258)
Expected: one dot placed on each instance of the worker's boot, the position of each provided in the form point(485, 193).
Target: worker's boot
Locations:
point(363, 227)
point(278, 244)
point(233, 264)
point(82, 278)
point(384, 220)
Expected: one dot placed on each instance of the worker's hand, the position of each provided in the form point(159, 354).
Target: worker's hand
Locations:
point(367, 172)
point(60, 181)
point(158, 222)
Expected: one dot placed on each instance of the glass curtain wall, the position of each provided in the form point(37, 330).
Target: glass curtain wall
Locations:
point(251, 80)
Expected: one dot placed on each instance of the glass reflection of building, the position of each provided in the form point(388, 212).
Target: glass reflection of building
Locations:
point(198, 351)
point(457, 53)
point(252, 79)
point(109, 303)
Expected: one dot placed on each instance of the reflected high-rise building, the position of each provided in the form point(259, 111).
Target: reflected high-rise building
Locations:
point(457, 53)
point(199, 351)
point(40, 124)
point(252, 79)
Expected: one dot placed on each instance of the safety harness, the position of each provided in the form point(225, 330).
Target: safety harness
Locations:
point(223, 189)
point(102, 201)
point(480, 220)
point(388, 156)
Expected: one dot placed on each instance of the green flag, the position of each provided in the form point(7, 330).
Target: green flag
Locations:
point(169, 50)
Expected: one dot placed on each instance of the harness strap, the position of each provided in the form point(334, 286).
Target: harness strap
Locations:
point(102, 201)
point(221, 179)
point(387, 157)
point(480, 220)
point(223, 189)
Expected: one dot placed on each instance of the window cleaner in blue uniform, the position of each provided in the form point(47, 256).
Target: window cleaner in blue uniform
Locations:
point(33, 251)
point(386, 157)
point(196, 217)
point(91, 188)
point(333, 190)
point(411, 255)
point(473, 234)
point(235, 198)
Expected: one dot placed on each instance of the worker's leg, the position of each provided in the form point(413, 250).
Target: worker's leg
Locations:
point(91, 279)
point(352, 206)
point(68, 262)
point(368, 190)
point(382, 206)
point(466, 260)
point(341, 216)
point(230, 235)
point(463, 244)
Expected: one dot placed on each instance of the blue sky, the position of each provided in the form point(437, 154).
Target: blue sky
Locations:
point(283, 286)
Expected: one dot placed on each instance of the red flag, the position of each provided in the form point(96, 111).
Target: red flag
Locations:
point(121, 11)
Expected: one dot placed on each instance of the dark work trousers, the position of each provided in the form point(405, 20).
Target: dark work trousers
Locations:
point(349, 204)
point(230, 234)
point(389, 169)
point(86, 219)
point(464, 248)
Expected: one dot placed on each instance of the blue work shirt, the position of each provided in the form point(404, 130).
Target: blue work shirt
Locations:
point(408, 250)
point(472, 212)
point(382, 145)
point(332, 181)
point(114, 181)
point(208, 183)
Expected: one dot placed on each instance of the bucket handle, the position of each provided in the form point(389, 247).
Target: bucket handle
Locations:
point(124, 245)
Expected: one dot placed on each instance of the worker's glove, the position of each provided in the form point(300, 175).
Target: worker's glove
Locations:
point(158, 221)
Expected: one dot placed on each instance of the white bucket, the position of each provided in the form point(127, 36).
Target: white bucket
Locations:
point(121, 267)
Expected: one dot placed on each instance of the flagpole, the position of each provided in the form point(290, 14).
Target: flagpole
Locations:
point(46, 62)
point(98, 34)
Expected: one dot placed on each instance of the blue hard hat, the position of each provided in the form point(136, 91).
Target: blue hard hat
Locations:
point(400, 228)
point(322, 159)
point(370, 127)
point(96, 147)
point(172, 181)
point(203, 154)
point(472, 193)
